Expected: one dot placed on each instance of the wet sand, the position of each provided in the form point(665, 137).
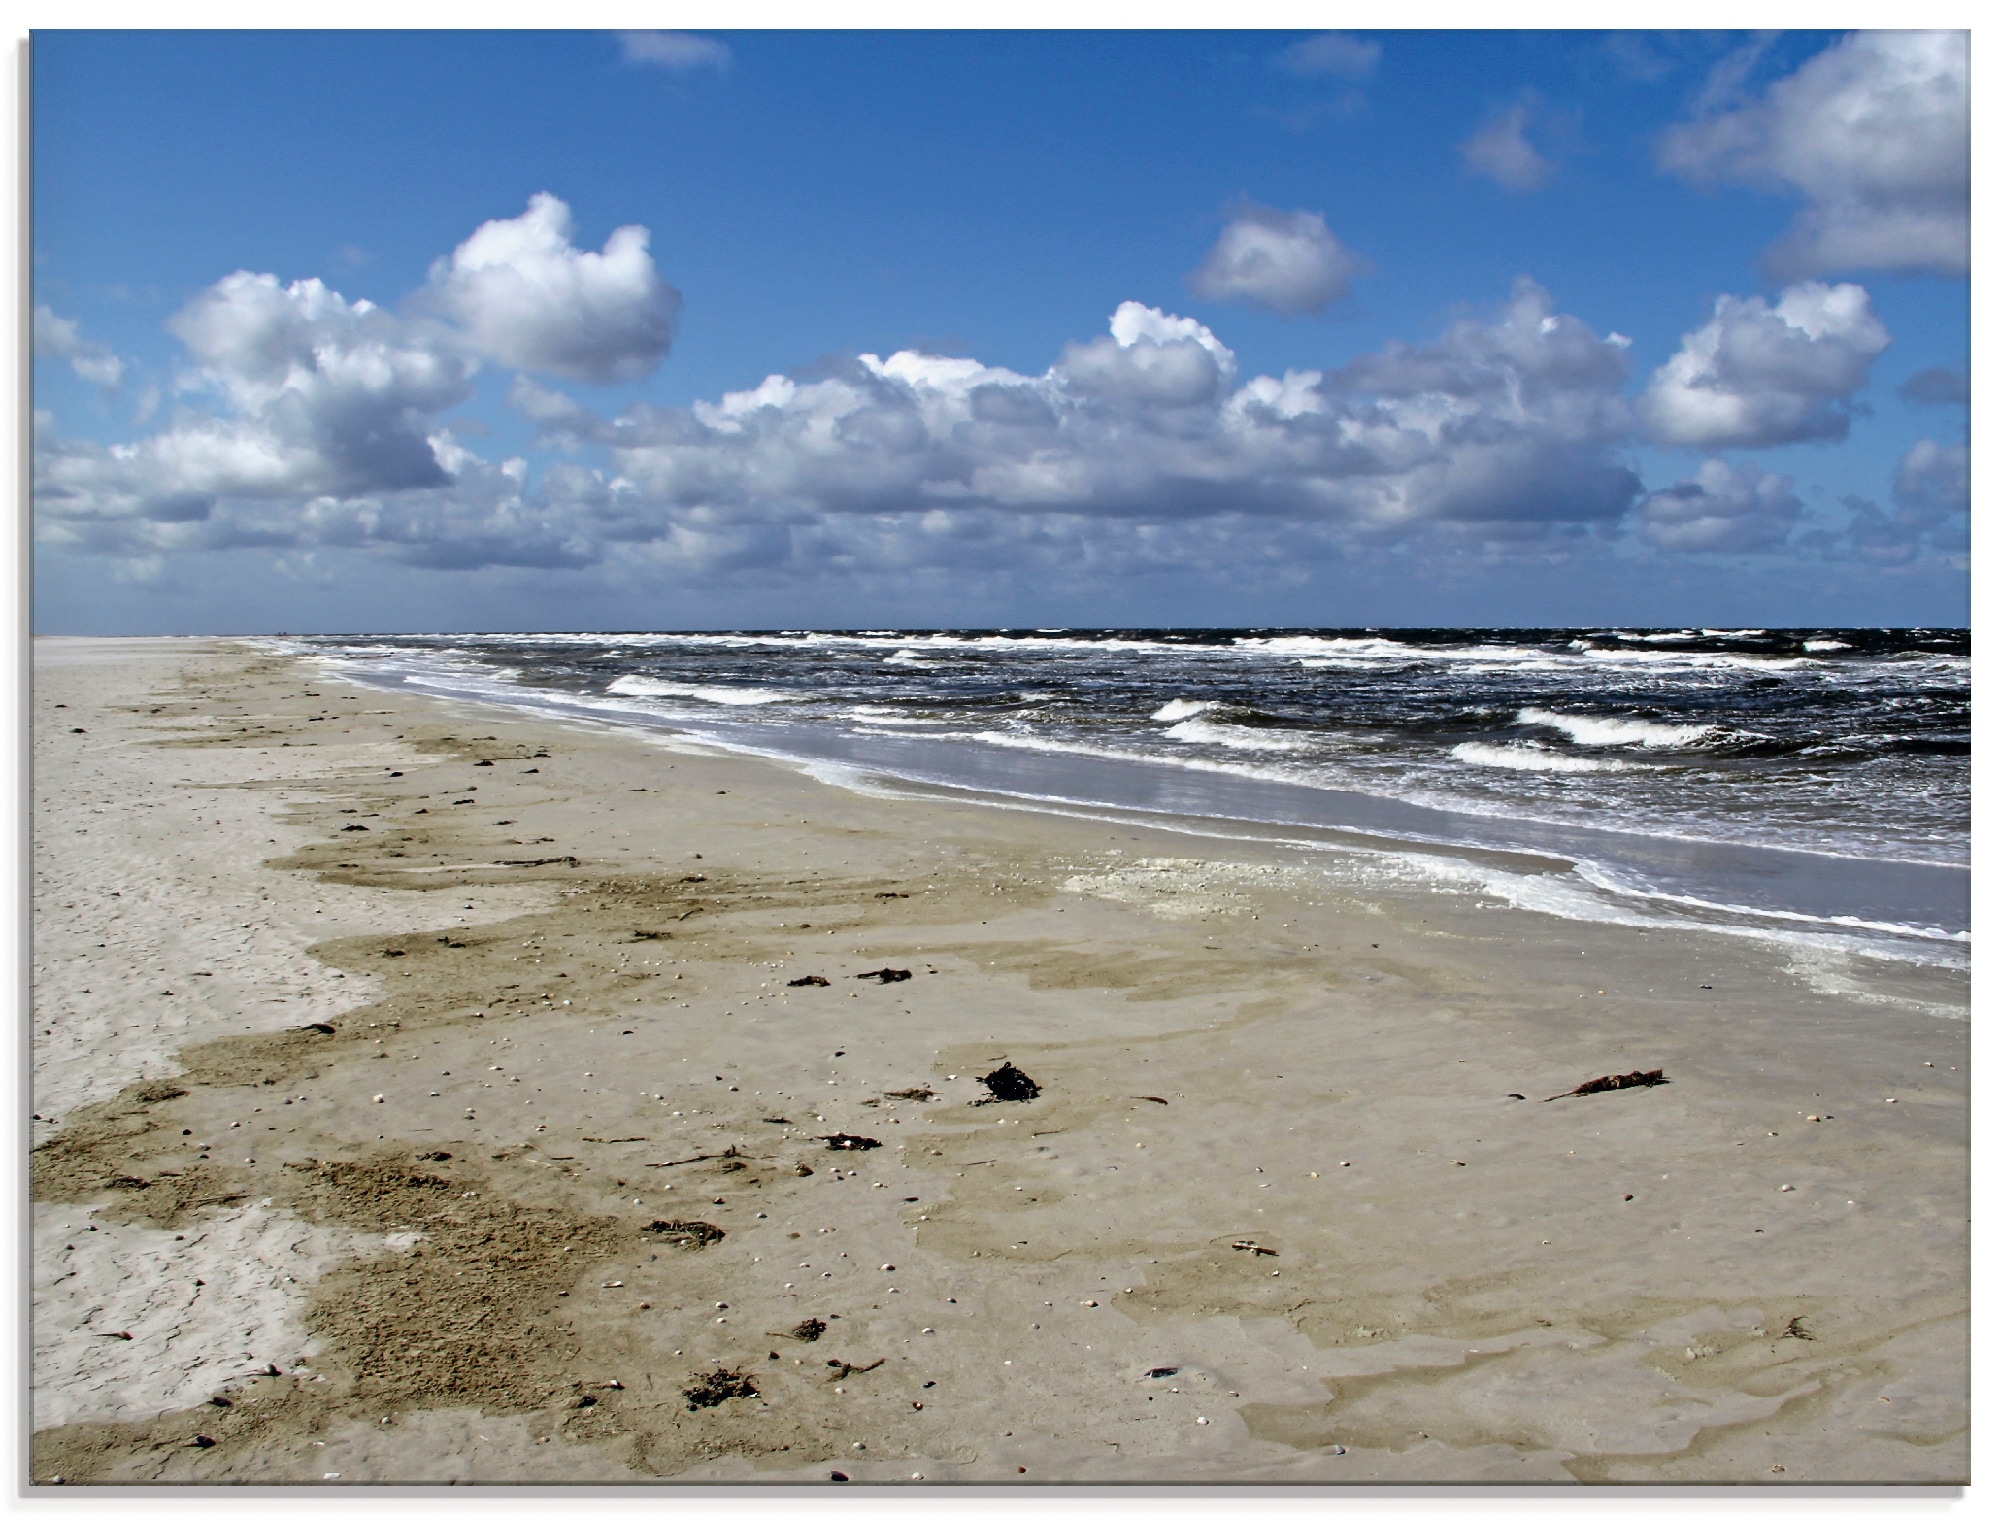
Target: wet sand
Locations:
point(423, 1094)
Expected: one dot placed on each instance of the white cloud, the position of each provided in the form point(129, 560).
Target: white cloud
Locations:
point(1512, 420)
point(677, 52)
point(92, 362)
point(526, 297)
point(1286, 261)
point(1331, 53)
point(1933, 480)
point(317, 397)
point(1500, 150)
point(1146, 373)
point(306, 422)
point(1723, 508)
point(558, 416)
point(264, 344)
point(1758, 375)
point(1931, 490)
point(1873, 133)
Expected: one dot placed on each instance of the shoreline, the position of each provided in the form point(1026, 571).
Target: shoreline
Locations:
point(1440, 1281)
point(1666, 876)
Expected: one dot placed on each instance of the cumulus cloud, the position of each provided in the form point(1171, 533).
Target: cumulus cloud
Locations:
point(559, 417)
point(1759, 375)
point(1874, 135)
point(317, 396)
point(1512, 420)
point(1500, 149)
point(1723, 508)
point(528, 298)
point(92, 362)
point(1928, 497)
point(1933, 480)
point(305, 421)
point(677, 52)
point(199, 488)
point(1286, 261)
point(1332, 54)
point(1150, 359)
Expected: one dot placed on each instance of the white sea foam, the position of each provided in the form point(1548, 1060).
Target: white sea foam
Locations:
point(1579, 896)
point(1035, 743)
point(714, 694)
point(1825, 970)
point(1162, 759)
point(1181, 710)
point(1827, 644)
point(1618, 881)
point(1690, 659)
point(1208, 733)
point(1189, 888)
point(1533, 759)
point(1607, 731)
point(1339, 652)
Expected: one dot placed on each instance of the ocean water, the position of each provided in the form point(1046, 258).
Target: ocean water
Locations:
point(1806, 782)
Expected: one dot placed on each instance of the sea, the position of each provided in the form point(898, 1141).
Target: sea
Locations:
point(1805, 784)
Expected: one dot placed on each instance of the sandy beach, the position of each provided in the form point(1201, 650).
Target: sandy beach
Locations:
point(426, 1093)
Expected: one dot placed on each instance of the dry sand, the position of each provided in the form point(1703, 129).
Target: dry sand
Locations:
point(374, 1034)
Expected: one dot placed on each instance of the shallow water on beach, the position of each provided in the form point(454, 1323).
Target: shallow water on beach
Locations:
point(1809, 780)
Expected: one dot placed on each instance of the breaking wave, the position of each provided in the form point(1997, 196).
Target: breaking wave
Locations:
point(1610, 731)
point(1530, 759)
point(715, 694)
point(1213, 735)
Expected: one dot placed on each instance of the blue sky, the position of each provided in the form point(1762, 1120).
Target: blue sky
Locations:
point(1578, 329)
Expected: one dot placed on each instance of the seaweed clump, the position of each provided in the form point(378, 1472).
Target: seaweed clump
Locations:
point(711, 1389)
point(1008, 1082)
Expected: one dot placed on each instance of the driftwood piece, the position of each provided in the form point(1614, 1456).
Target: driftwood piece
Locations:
point(682, 1162)
point(1610, 1081)
point(844, 1369)
point(691, 1234)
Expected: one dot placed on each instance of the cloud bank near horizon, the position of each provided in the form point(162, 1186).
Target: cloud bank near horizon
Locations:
point(308, 420)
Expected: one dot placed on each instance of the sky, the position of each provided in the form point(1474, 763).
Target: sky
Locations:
point(460, 331)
